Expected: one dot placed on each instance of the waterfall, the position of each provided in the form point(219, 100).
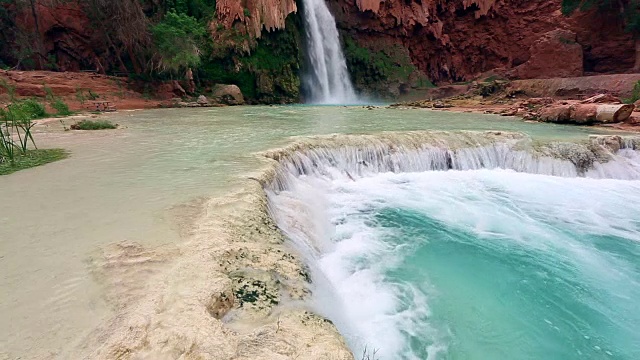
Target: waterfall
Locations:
point(327, 80)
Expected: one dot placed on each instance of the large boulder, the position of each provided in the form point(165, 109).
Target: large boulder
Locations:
point(555, 54)
point(228, 94)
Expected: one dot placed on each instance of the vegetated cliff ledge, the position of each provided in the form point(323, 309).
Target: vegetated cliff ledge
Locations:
point(391, 46)
point(254, 45)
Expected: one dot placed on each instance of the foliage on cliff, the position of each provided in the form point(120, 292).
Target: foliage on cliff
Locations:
point(150, 40)
point(384, 72)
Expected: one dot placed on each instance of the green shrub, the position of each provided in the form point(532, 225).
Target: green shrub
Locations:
point(635, 94)
point(61, 107)
point(93, 125)
point(24, 110)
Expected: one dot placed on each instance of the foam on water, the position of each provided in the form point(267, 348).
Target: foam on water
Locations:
point(470, 264)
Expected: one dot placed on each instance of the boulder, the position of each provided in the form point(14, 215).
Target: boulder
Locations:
point(202, 100)
point(555, 54)
point(228, 94)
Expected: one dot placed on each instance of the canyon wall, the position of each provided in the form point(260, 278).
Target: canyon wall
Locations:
point(391, 45)
point(458, 40)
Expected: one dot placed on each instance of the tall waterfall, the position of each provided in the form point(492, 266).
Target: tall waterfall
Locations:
point(327, 80)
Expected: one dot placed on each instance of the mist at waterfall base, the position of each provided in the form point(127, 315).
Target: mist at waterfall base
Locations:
point(327, 79)
point(474, 264)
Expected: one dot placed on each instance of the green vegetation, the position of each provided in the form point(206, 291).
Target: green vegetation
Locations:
point(32, 158)
point(16, 123)
point(269, 73)
point(93, 125)
point(160, 40)
point(29, 109)
point(635, 94)
point(178, 38)
point(62, 109)
point(372, 69)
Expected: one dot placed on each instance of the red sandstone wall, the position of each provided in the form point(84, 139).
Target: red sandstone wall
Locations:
point(450, 40)
point(457, 40)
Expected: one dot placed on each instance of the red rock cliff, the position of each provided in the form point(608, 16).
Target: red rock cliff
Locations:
point(457, 40)
point(450, 40)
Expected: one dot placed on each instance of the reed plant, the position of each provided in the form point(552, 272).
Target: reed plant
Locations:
point(16, 122)
point(8, 147)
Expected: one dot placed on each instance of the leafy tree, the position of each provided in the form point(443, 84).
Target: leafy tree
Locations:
point(178, 39)
point(199, 9)
point(628, 10)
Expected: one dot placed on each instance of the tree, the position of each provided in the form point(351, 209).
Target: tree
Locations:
point(125, 28)
point(178, 39)
point(628, 11)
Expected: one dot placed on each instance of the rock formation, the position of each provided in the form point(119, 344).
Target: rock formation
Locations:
point(555, 54)
point(255, 15)
point(228, 94)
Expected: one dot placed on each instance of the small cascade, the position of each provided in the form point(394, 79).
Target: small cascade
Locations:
point(327, 81)
point(358, 156)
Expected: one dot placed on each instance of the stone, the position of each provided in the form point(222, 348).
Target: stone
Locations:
point(202, 100)
point(228, 94)
point(555, 54)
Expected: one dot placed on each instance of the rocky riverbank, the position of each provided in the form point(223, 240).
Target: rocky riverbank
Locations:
point(605, 100)
point(82, 91)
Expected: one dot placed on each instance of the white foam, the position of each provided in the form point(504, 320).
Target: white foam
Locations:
point(506, 208)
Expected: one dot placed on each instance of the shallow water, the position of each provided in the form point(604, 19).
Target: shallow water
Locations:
point(129, 185)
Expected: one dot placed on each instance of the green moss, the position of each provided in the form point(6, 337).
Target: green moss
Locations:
point(32, 158)
point(269, 73)
point(373, 70)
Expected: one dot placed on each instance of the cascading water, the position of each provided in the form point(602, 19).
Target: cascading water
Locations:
point(439, 246)
point(327, 81)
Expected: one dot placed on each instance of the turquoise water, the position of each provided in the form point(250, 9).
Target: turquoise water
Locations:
point(483, 264)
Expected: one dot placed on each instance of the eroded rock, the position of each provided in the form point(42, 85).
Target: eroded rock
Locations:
point(556, 54)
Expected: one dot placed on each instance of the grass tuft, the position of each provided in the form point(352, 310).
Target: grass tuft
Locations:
point(32, 158)
point(93, 125)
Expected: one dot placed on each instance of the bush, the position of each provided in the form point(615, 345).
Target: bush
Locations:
point(29, 109)
point(61, 107)
point(177, 39)
point(635, 94)
point(93, 125)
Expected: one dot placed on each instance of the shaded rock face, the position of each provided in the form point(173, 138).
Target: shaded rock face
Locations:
point(555, 54)
point(66, 33)
point(228, 94)
point(460, 39)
